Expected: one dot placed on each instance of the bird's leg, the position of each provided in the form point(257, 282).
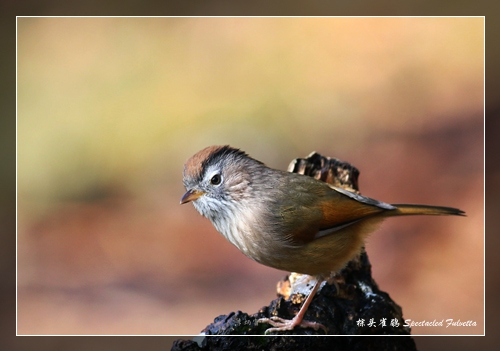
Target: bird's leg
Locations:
point(281, 324)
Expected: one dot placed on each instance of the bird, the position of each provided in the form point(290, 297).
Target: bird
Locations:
point(285, 220)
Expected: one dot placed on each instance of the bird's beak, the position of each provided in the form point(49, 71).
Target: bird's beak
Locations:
point(191, 195)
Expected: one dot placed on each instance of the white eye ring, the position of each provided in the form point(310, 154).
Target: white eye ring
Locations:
point(216, 179)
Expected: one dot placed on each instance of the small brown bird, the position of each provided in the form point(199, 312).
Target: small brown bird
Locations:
point(286, 220)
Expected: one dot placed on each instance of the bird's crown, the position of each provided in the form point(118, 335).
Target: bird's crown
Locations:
point(199, 162)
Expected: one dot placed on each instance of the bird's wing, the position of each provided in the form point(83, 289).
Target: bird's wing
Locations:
point(318, 209)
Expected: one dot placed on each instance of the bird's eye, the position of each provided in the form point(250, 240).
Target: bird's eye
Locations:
point(216, 179)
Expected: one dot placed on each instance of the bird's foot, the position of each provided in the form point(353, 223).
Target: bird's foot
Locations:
point(280, 324)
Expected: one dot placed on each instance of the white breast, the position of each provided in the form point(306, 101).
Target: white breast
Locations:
point(241, 226)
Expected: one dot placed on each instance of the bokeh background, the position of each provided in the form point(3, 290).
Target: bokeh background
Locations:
point(110, 108)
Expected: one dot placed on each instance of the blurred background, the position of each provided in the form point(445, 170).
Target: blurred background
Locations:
point(109, 109)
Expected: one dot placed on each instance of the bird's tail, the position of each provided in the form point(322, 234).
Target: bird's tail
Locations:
point(409, 210)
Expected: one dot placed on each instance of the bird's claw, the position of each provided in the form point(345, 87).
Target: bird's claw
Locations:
point(280, 324)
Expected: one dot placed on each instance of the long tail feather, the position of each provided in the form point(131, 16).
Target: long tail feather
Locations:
point(409, 210)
